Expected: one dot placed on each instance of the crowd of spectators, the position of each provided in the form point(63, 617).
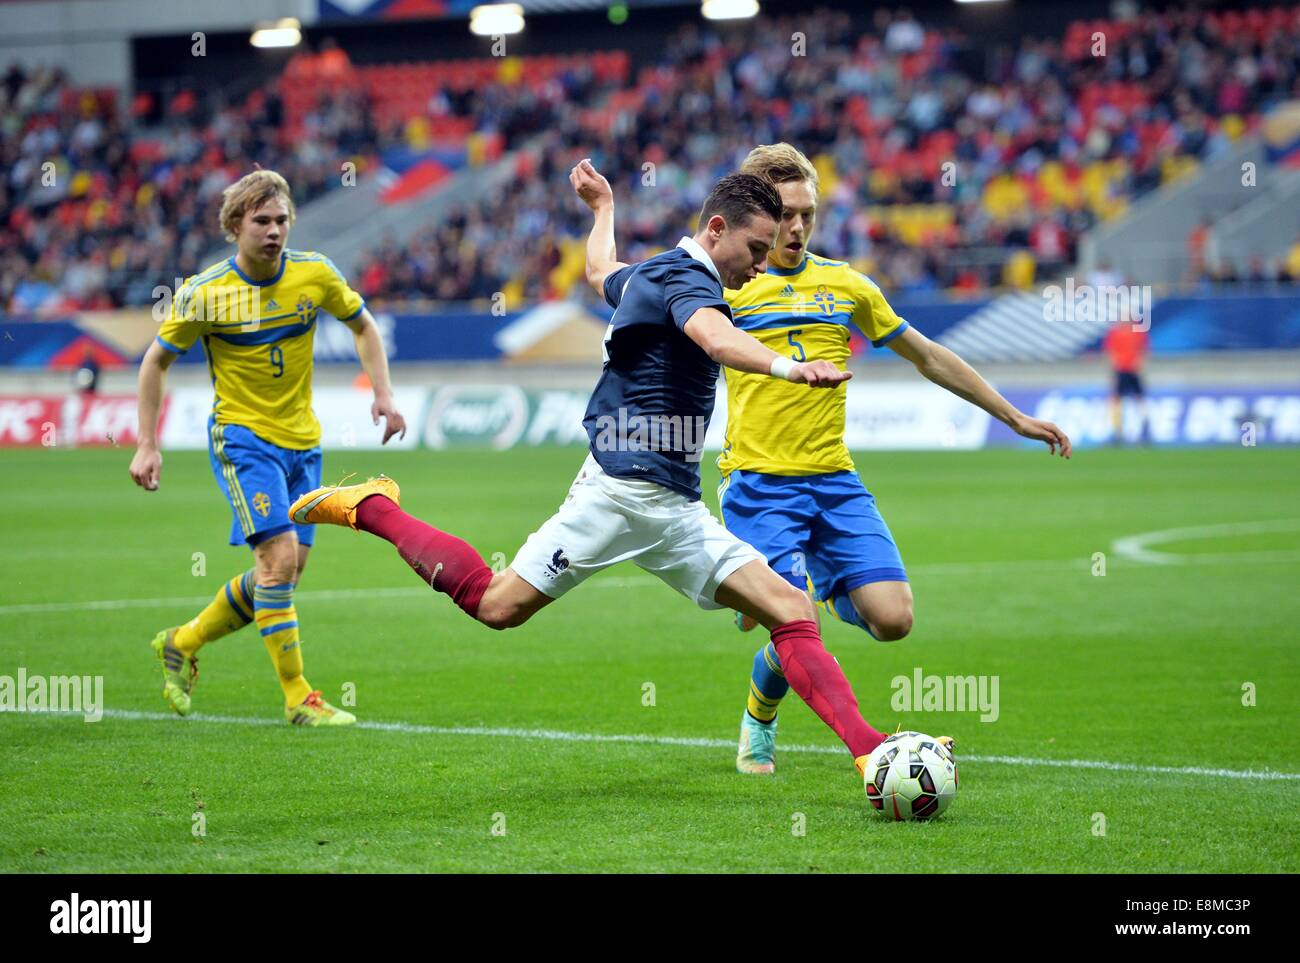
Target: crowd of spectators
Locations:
point(98, 208)
point(945, 163)
point(101, 202)
point(939, 170)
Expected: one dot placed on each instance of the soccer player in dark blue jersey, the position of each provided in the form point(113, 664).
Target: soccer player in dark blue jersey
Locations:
point(637, 497)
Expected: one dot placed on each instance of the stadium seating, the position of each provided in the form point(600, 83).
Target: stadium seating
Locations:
point(132, 205)
point(1044, 143)
point(1041, 152)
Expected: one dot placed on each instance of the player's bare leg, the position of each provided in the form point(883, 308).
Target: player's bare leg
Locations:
point(758, 592)
point(885, 607)
point(509, 601)
point(275, 561)
point(811, 671)
point(747, 624)
point(303, 552)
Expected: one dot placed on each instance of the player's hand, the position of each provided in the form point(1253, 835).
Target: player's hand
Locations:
point(146, 468)
point(818, 374)
point(591, 185)
point(1044, 431)
point(393, 420)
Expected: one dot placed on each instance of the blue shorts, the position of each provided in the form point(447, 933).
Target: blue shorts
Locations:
point(261, 481)
point(824, 525)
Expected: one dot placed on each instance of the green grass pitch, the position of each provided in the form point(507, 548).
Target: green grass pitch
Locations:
point(1143, 667)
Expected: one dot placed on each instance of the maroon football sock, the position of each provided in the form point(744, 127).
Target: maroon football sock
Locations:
point(446, 562)
point(816, 676)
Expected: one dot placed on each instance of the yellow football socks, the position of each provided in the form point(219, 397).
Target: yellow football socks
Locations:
point(230, 609)
point(277, 620)
point(767, 685)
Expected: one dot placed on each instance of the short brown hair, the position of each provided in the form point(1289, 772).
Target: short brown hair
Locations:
point(738, 197)
point(248, 194)
point(780, 164)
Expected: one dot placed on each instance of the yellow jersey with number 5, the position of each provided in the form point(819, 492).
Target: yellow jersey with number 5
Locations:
point(805, 313)
point(257, 336)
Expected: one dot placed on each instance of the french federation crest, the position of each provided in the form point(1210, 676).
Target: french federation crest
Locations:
point(559, 562)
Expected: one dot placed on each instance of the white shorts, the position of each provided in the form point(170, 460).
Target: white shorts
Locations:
point(607, 520)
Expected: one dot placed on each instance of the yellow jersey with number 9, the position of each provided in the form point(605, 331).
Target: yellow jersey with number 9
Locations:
point(258, 336)
point(805, 313)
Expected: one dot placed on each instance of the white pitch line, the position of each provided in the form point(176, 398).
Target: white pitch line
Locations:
point(1137, 547)
point(699, 742)
point(319, 595)
point(1268, 775)
point(629, 581)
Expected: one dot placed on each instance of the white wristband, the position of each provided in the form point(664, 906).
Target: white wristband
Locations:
point(781, 367)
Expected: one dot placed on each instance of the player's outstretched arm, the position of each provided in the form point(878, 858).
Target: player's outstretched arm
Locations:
point(942, 366)
point(732, 348)
point(146, 466)
point(374, 362)
point(602, 252)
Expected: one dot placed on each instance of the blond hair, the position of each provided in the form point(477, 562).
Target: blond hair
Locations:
point(248, 194)
point(780, 164)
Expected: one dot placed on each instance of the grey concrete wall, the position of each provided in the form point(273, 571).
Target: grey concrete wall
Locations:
point(90, 39)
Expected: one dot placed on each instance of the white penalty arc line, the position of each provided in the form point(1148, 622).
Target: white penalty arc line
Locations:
point(557, 735)
point(1137, 548)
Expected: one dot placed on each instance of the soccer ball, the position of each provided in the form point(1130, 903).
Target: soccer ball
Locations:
point(910, 776)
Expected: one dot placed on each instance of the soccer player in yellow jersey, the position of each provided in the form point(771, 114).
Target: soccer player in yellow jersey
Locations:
point(255, 314)
point(789, 487)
